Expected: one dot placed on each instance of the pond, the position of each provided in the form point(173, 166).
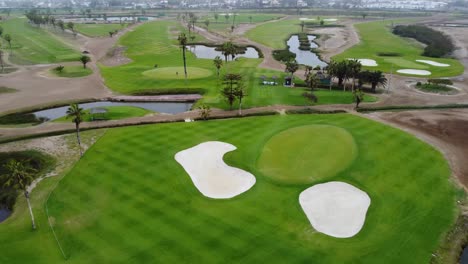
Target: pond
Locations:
point(304, 56)
point(205, 52)
point(160, 107)
point(464, 256)
point(4, 214)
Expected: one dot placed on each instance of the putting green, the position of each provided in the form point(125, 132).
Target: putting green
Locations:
point(170, 73)
point(307, 154)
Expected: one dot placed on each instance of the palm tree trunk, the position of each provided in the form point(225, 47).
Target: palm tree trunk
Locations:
point(240, 106)
point(78, 138)
point(185, 62)
point(344, 84)
point(26, 194)
point(354, 82)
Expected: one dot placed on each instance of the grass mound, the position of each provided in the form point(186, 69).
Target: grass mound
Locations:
point(307, 154)
point(72, 72)
point(169, 73)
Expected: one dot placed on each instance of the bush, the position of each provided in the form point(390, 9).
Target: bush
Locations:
point(59, 69)
point(418, 84)
point(388, 54)
point(438, 44)
point(440, 81)
point(284, 55)
point(20, 118)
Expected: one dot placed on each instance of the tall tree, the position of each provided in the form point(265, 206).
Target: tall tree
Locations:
point(61, 25)
point(229, 92)
point(292, 67)
point(84, 60)
point(19, 176)
point(358, 97)
point(250, 19)
point(229, 49)
point(240, 93)
point(216, 16)
point(376, 78)
point(71, 26)
point(302, 26)
point(226, 16)
point(183, 45)
point(77, 114)
point(218, 63)
point(207, 23)
point(354, 68)
point(312, 80)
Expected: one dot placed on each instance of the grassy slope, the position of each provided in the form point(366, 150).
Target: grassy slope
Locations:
point(224, 26)
point(153, 43)
point(142, 207)
point(114, 113)
point(97, 30)
point(72, 72)
point(376, 37)
point(32, 45)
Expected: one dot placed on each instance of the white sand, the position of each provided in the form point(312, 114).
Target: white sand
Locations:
point(414, 72)
point(335, 208)
point(212, 177)
point(305, 19)
point(366, 62)
point(434, 63)
point(330, 19)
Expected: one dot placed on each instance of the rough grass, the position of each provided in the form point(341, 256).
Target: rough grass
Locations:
point(98, 30)
point(33, 45)
point(72, 72)
point(274, 34)
point(155, 43)
point(376, 38)
point(113, 113)
point(129, 190)
point(307, 154)
point(169, 73)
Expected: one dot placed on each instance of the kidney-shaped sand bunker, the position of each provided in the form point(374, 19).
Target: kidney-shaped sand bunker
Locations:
point(336, 209)
point(213, 178)
point(307, 153)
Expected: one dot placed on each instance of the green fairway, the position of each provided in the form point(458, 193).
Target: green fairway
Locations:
point(274, 34)
point(155, 43)
point(113, 113)
point(307, 154)
point(376, 38)
point(31, 45)
point(168, 73)
point(223, 26)
point(98, 30)
point(72, 72)
point(128, 189)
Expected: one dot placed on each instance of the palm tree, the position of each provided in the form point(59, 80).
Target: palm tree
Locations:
point(76, 113)
point(292, 67)
point(19, 176)
point(85, 59)
point(302, 26)
point(7, 38)
point(229, 92)
point(377, 78)
point(229, 48)
point(358, 97)
point(226, 16)
point(216, 16)
point(218, 63)
point(207, 23)
point(354, 68)
point(312, 80)
point(240, 93)
point(250, 18)
point(61, 25)
point(338, 70)
point(183, 44)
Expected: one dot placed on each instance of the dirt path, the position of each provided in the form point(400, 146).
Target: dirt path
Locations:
point(36, 87)
point(446, 130)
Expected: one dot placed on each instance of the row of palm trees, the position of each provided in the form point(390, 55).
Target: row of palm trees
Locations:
point(352, 70)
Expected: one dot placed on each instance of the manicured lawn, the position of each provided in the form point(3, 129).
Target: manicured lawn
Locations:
point(98, 30)
point(223, 26)
point(72, 72)
point(128, 201)
point(274, 34)
point(32, 45)
point(376, 38)
point(114, 113)
point(155, 43)
point(297, 155)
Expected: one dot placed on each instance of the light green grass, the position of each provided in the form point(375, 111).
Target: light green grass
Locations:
point(32, 45)
point(274, 34)
point(98, 30)
point(128, 189)
point(72, 72)
point(222, 26)
point(307, 154)
point(155, 43)
point(113, 113)
point(169, 73)
point(376, 37)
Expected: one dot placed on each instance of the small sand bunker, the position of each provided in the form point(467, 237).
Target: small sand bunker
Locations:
point(434, 63)
point(414, 72)
point(306, 19)
point(336, 209)
point(367, 62)
point(330, 19)
point(212, 177)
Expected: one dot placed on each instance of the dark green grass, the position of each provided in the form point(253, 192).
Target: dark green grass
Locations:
point(113, 113)
point(98, 30)
point(7, 90)
point(31, 45)
point(129, 201)
point(72, 72)
point(154, 43)
point(436, 88)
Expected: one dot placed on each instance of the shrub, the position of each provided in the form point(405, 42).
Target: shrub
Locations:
point(59, 68)
point(284, 55)
point(418, 84)
point(20, 118)
point(388, 54)
point(440, 81)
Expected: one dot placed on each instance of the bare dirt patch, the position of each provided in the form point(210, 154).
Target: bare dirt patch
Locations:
point(116, 56)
